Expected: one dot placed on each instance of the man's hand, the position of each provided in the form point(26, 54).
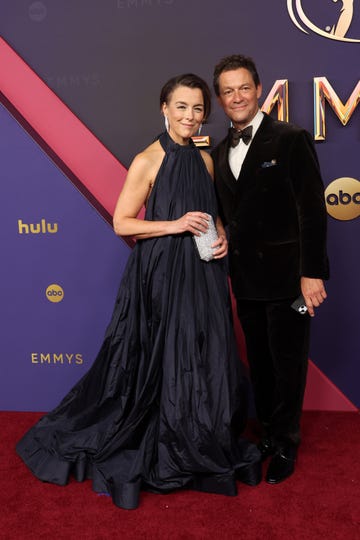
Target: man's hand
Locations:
point(314, 293)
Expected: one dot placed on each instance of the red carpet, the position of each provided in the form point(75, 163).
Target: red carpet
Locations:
point(320, 501)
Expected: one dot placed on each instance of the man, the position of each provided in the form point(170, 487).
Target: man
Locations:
point(271, 197)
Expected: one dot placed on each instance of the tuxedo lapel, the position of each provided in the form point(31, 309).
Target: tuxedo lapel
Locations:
point(258, 152)
point(224, 167)
point(259, 148)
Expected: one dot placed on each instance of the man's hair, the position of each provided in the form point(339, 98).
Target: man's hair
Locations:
point(235, 61)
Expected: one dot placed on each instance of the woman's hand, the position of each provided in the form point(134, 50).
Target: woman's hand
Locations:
point(221, 247)
point(193, 222)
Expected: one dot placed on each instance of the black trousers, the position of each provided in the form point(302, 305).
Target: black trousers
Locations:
point(277, 341)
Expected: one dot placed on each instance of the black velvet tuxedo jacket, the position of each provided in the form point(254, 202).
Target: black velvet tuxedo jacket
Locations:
point(275, 212)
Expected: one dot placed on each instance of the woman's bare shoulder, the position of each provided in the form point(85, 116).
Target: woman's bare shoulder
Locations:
point(151, 156)
point(145, 165)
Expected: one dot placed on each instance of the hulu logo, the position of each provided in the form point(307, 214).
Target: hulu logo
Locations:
point(37, 228)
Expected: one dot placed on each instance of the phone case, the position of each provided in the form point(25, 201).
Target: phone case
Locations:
point(299, 305)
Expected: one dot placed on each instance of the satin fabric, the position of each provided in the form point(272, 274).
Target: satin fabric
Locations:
point(164, 401)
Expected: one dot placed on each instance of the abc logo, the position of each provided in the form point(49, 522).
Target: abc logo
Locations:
point(343, 198)
point(54, 293)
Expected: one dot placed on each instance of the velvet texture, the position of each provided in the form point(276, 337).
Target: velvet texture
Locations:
point(277, 339)
point(276, 216)
point(272, 240)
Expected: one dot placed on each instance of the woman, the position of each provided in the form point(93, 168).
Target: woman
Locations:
point(162, 405)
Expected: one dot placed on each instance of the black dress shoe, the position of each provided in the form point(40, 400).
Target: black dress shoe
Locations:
point(281, 466)
point(266, 448)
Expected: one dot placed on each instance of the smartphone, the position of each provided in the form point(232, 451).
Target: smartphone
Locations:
point(299, 305)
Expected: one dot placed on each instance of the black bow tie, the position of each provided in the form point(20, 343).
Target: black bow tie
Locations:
point(244, 134)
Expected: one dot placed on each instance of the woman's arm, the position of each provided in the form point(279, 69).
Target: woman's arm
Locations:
point(133, 196)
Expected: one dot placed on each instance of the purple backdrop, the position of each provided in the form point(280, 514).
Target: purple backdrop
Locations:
point(47, 346)
point(107, 61)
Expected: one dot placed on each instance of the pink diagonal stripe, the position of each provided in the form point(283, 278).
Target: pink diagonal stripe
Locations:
point(88, 163)
point(68, 138)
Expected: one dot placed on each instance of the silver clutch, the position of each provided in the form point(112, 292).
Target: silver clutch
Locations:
point(204, 242)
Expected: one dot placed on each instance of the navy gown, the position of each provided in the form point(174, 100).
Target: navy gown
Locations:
point(165, 400)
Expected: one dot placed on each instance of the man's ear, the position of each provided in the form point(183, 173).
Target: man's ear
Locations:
point(259, 90)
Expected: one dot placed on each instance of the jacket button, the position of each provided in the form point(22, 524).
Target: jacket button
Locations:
point(236, 252)
point(234, 223)
point(260, 254)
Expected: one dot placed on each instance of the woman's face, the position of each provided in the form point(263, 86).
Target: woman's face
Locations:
point(185, 112)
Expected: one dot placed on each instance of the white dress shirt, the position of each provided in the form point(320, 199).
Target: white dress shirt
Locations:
point(237, 154)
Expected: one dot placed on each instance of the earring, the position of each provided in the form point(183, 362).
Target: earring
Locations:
point(200, 128)
point(231, 124)
point(167, 125)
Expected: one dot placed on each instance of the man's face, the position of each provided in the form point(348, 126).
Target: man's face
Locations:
point(239, 96)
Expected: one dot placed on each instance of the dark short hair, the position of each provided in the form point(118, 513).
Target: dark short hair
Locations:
point(235, 61)
point(190, 81)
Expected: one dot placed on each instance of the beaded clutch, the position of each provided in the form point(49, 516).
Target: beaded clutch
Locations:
point(206, 239)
